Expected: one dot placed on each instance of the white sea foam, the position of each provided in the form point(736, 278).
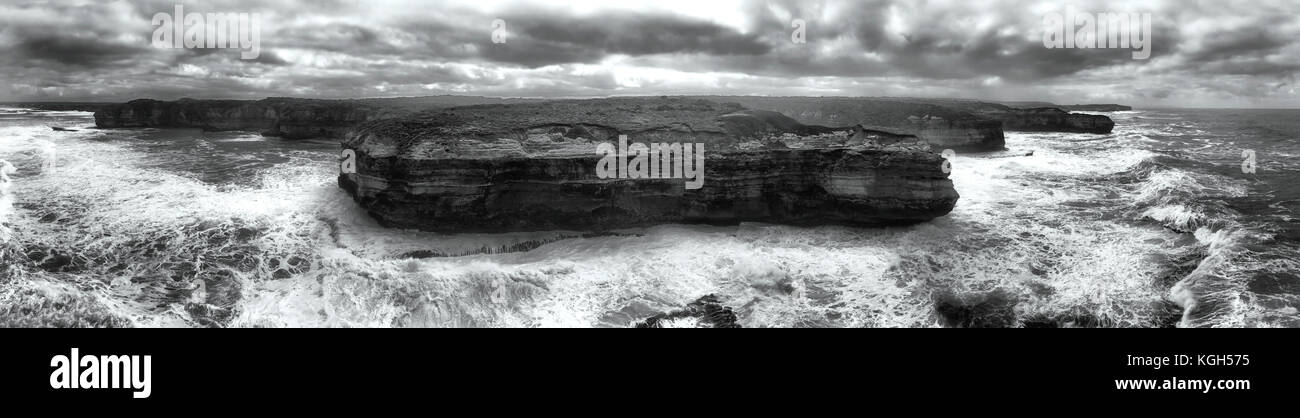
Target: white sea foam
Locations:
point(1007, 233)
point(1035, 227)
point(1179, 217)
point(6, 199)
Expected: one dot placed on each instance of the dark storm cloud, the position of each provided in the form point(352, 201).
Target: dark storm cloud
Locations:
point(343, 48)
point(75, 51)
point(611, 33)
point(930, 43)
point(540, 36)
point(69, 36)
point(1243, 51)
point(336, 36)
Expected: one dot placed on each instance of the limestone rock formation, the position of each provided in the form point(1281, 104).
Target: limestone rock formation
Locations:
point(941, 127)
point(288, 118)
point(533, 166)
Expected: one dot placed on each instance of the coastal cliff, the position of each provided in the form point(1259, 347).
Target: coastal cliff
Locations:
point(534, 166)
point(1032, 119)
point(285, 117)
point(1049, 119)
point(939, 126)
point(1091, 107)
point(962, 125)
point(288, 118)
point(1109, 107)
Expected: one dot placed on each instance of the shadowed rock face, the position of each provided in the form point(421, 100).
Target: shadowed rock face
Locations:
point(1033, 119)
point(533, 167)
point(1052, 120)
point(277, 116)
point(963, 125)
point(939, 126)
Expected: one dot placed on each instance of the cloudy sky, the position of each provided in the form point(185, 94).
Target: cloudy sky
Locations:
point(1205, 53)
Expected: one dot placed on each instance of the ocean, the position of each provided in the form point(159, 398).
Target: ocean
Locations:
point(1154, 225)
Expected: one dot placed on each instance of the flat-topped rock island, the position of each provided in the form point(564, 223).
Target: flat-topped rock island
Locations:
point(538, 166)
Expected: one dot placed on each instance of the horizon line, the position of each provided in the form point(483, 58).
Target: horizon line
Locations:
point(1135, 107)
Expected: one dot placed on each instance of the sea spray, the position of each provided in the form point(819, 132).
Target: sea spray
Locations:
point(219, 229)
point(6, 200)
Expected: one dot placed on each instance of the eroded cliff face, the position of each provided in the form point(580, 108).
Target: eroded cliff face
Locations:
point(534, 167)
point(962, 125)
point(1052, 120)
point(288, 118)
point(941, 127)
point(1033, 119)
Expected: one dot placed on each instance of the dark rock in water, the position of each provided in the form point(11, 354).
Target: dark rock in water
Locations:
point(54, 260)
point(994, 309)
point(1065, 320)
point(708, 312)
point(521, 167)
point(62, 129)
point(208, 315)
point(33, 308)
point(1166, 315)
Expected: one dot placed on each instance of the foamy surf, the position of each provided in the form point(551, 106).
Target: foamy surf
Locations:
point(182, 228)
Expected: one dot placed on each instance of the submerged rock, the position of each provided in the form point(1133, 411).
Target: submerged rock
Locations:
point(705, 312)
point(994, 309)
point(534, 167)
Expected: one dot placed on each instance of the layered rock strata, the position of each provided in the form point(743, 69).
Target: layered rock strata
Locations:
point(288, 118)
point(1031, 119)
point(534, 166)
point(939, 126)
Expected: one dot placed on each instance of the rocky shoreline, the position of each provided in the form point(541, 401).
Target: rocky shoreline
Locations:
point(463, 163)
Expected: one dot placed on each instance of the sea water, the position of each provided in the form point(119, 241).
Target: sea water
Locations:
point(1154, 225)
